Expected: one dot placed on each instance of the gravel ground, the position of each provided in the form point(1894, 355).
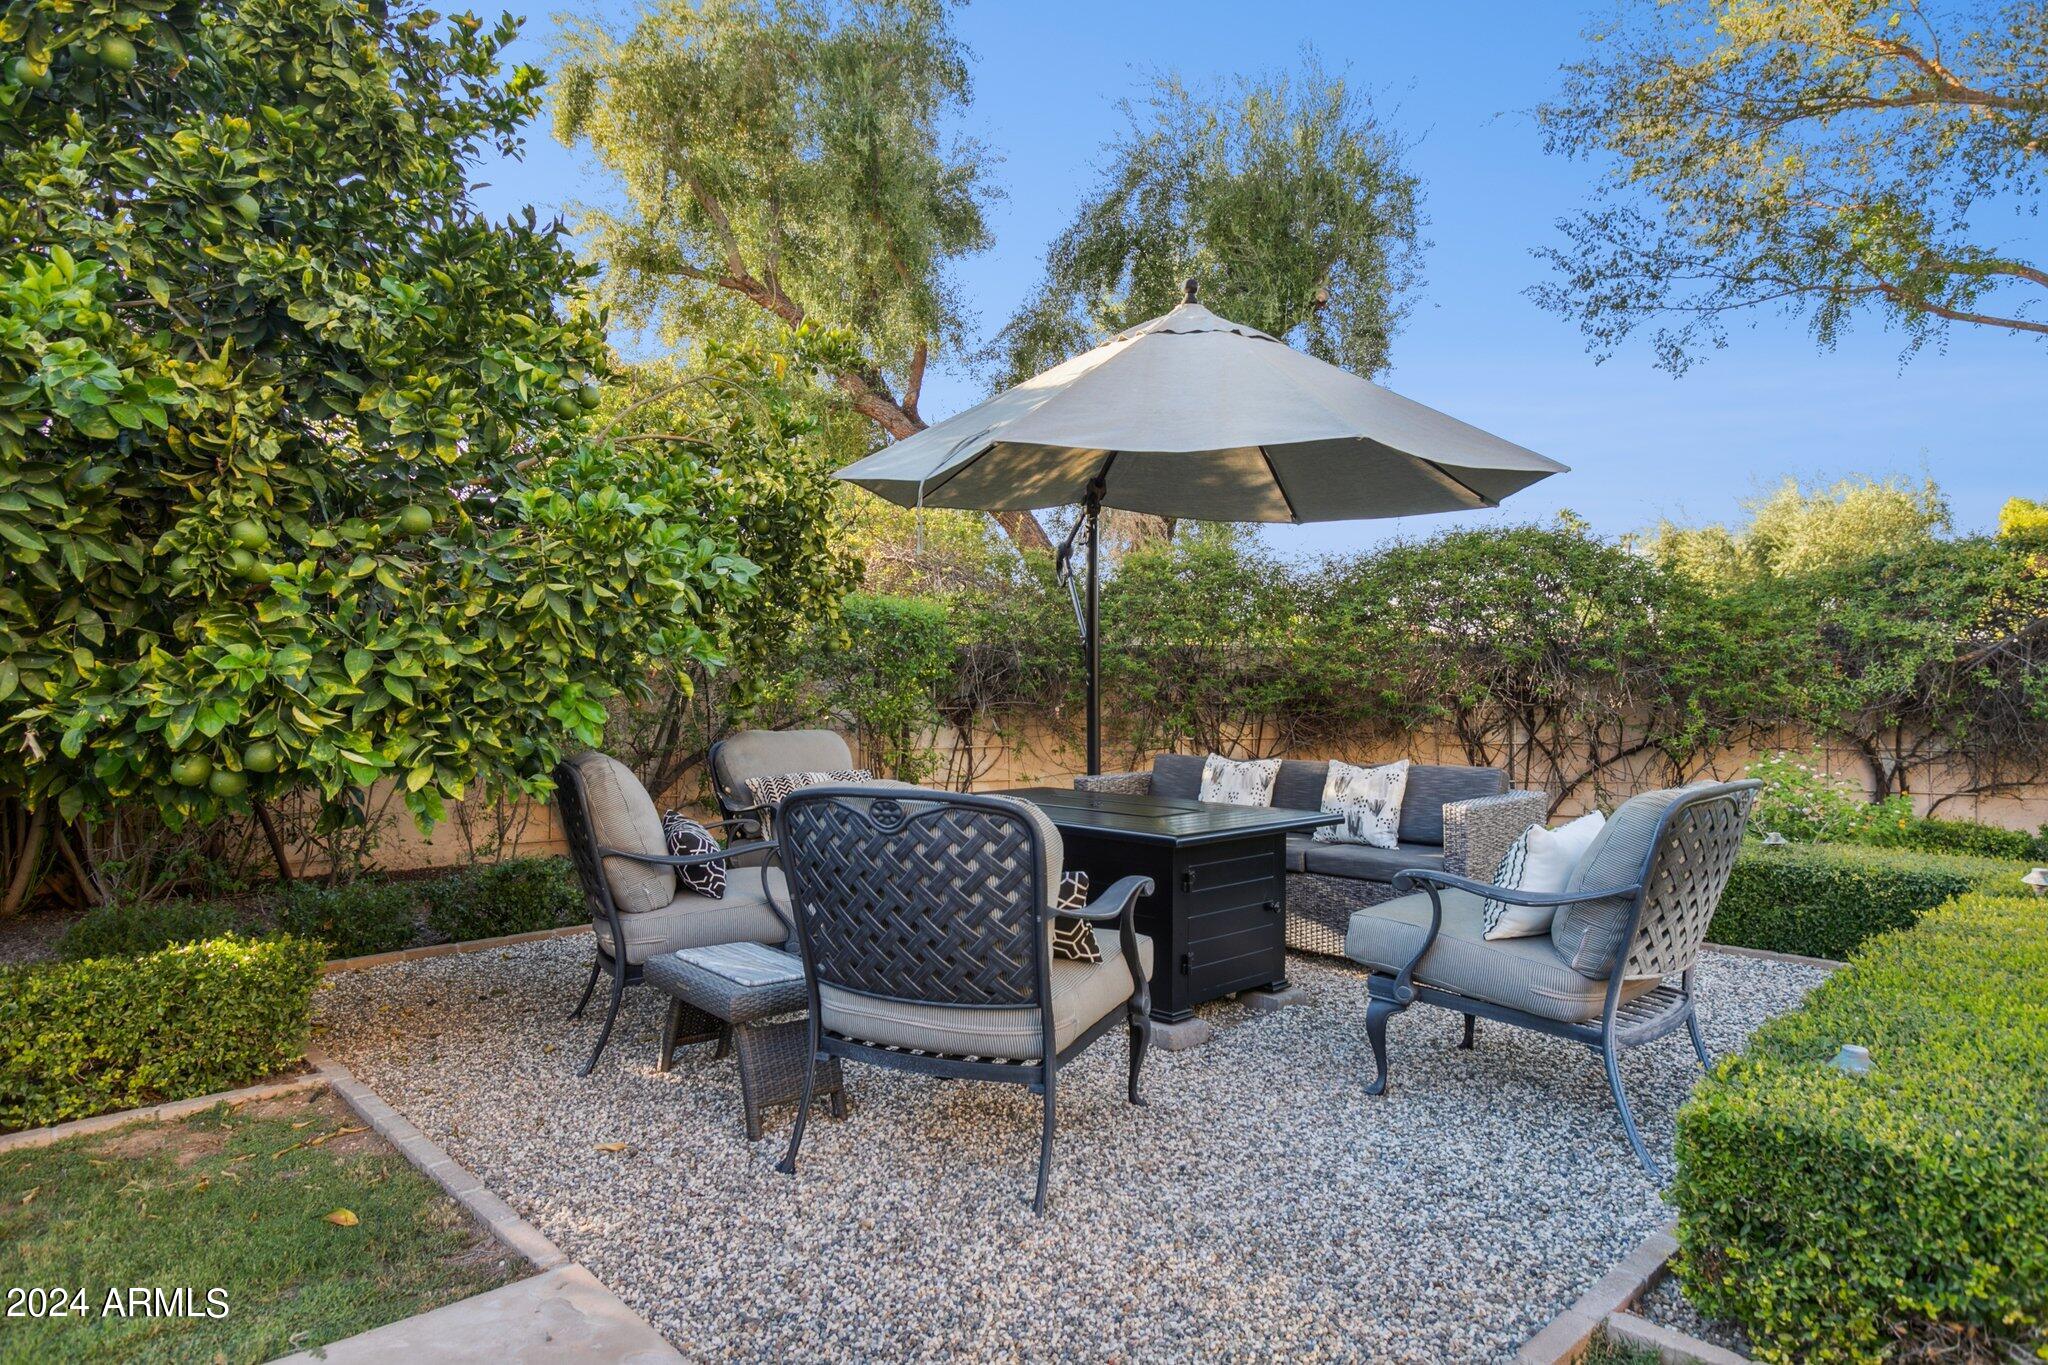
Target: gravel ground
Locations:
point(1261, 1205)
point(1665, 1305)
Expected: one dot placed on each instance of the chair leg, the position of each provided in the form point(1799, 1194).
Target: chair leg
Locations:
point(1471, 1028)
point(1141, 1043)
point(1045, 1147)
point(724, 1043)
point(1376, 1015)
point(803, 1107)
point(1699, 1043)
point(588, 986)
point(1628, 1118)
point(611, 1016)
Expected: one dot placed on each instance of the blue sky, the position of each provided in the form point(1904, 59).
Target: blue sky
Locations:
point(1459, 79)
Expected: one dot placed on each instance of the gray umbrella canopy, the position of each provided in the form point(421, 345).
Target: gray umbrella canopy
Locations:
point(1193, 416)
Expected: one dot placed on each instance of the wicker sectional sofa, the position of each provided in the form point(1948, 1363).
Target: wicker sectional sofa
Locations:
point(1454, 819)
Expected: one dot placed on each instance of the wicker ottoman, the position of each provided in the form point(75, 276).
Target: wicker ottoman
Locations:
point(754, 996)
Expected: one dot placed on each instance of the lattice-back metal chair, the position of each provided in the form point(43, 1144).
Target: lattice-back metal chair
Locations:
point(925, 920)
point(637, 909)
point(1633, 916)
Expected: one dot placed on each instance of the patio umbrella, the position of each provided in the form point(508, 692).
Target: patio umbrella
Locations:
point(1192, 415)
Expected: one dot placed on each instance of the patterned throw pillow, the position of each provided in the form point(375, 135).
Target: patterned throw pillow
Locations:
point(1073, 939)
point(1369, 799)
point(1541, 860)
point(769, 791)
point(1247, 782)
point(685, 838)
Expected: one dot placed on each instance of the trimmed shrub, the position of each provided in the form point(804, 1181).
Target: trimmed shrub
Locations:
point(353, 920)
point(1902, 1213)
point(130, 928)
point(1822, 900)
point(83, 1038)
point(515, 897)
point(1967, 836)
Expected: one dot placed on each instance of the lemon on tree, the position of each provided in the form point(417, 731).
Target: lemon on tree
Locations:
point(248, 534)
point(415, 520)
point(259, 757)
point(226, 783)
point(192, 770)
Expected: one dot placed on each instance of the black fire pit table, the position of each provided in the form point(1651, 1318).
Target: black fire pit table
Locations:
point(1218, 919)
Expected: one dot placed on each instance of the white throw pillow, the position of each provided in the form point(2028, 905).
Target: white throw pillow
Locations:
point(1234, 782)
point(1369, 799)
point(1541, 861)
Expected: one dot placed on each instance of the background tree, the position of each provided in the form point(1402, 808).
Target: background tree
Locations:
point(1285, 197)
point(1798, 529)
point(296, 484)
point(1823, 157)
point(783, 163)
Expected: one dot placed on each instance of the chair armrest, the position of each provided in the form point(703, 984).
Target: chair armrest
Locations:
point(1127, 784)
point(1479, 832)
point(1114, 903)
point(740, 822)
point(1407, 880)
point(689, 859)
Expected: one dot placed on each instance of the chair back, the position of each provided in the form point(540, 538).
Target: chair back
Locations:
point(922, 896)
point(746, 754)
point(1688, 868)
point(601, 804)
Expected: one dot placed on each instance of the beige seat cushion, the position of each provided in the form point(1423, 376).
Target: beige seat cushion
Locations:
point(1082, 993)
point(693, 921)
point(1522, 973)
point(622, 815)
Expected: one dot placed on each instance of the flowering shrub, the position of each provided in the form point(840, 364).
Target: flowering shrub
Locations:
point(1800, 801)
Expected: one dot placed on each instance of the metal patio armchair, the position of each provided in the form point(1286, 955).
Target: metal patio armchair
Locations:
point(637, 909)
point(925, 920)
point(1635, 914)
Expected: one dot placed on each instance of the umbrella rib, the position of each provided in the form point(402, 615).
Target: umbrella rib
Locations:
point(1454, 481)
point(1280, 487)
point(955, 472)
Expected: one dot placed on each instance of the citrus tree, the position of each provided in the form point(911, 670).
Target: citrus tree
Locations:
point(299, 479)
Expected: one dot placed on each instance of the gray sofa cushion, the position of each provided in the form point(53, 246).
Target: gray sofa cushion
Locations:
point(1297, 852)
point(1366, 863)
point(623, 816)
point(1588, 934)
point(1522, 973)
point(765, 753)
point(1082, 993)
point(1178, 775)
point(1432, 787)
point(694, 921)
point(1300, 784)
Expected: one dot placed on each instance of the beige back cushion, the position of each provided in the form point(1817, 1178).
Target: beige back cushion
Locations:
point(765, 753)
point(622, 815)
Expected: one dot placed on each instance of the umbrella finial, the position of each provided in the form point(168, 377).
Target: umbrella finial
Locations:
point(1187, 291)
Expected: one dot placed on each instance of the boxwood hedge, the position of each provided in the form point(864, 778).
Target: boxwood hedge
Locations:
point(105, 1033)
point(514, 897)
point(1822, 900)
point(1905, 1212)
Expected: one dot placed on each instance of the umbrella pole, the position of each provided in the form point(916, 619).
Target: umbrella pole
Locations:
point(1093, 644)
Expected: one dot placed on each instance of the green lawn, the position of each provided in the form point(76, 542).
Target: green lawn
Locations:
point(237, 1201)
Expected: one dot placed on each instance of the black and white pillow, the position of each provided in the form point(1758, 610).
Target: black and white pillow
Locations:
point(1238, 782)
point(1073, 939)
point(1369, 799)
point(1542, 861)
point(686, 838)
point(769, 791)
